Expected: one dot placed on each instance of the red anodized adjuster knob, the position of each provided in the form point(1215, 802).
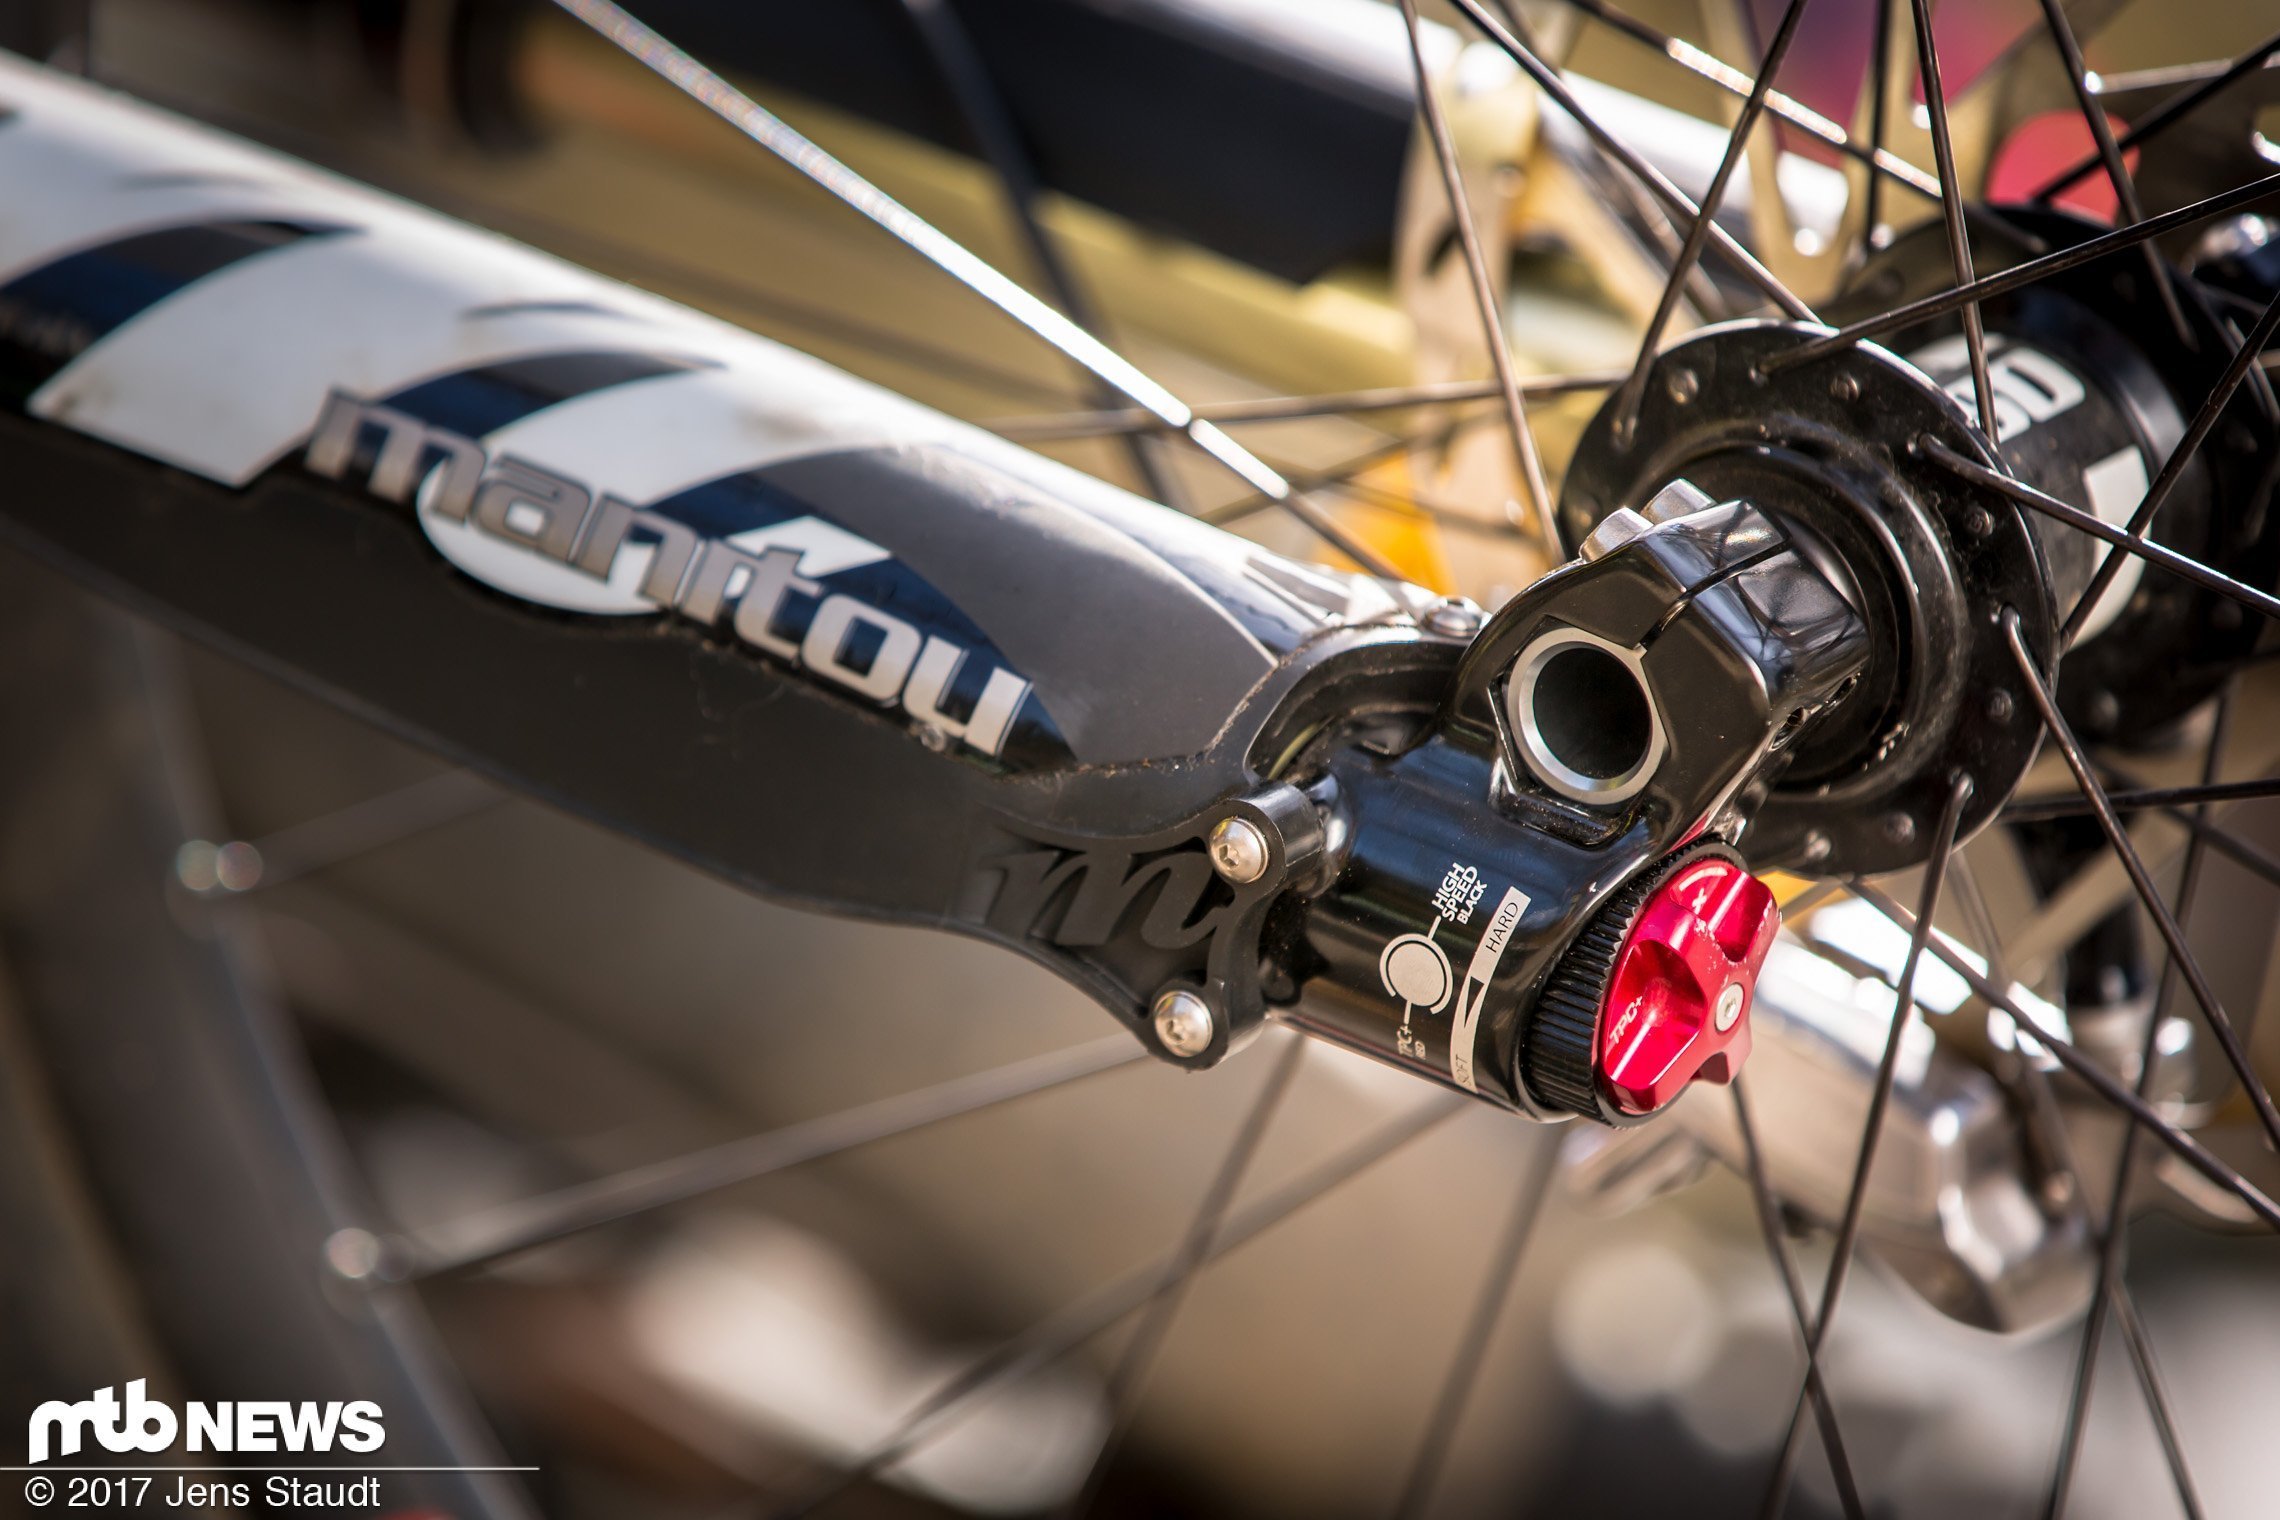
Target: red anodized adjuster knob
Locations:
point(1677, 1002)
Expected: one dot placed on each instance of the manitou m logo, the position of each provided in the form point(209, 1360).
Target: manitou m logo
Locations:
point(137, 1423)
point(565, 546)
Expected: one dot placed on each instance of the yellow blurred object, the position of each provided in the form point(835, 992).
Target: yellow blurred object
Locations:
point(1786, 888)
point(1405, 534)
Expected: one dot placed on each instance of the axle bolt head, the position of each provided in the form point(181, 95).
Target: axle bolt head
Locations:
point(1654, 994)
point(1238, 851)
point(1183, 1022)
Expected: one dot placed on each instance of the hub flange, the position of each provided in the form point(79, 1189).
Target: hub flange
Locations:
point(1830, 449)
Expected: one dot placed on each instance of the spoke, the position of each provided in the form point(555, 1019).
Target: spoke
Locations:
point(1652, 214)
point(644, 266)
point(1973, 903)
point(2173, 469)
point(1479, 1329)
point(1383, 398)
point(1734, 82)
point(2019, 276)
point(1330, 477)
point(2205, 830)
point(2247, 856)
point(1879, 110)
point(1447, 514)
point(1737, 142)
point(2170, 111)
point(2157, 1400)
point(946, 253)
point(1872, 1130)
point(2110, 154)
point(1769, 1222)
point(982, 104)
point(2123, 81)
point(318, 844)
point(2042, 1124)
point(2158, 555)
point(539, 1221)
point(1345, 469)
point(1491, 314)
point(2180, 953)
point(2092, 1075)
point(1335, 534)
point(1123, 1387)
point(1055, 1337)
point(1548, 80)
point(1951, 213)
point(1313, 517)
point(2114, 1241)
point(1653, 217)
point(2145, 797)
point(2114, 1295)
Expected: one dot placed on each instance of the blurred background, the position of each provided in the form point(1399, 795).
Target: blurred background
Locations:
point(496, 999)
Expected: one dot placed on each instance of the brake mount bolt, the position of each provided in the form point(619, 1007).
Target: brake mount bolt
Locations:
point(1238, 851)
point(1183, 1023)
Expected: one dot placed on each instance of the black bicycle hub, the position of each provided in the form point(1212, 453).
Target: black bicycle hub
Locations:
point(2093, 376)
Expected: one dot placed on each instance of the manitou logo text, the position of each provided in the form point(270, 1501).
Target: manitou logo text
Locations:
point(1097, 886)
point(136, 1423)
point(565, 546)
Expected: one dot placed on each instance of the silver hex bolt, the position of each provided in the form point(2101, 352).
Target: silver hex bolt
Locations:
point(1183, 1022)
point(1730, 1003)
point(1239, 851)
point(1454, 617)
